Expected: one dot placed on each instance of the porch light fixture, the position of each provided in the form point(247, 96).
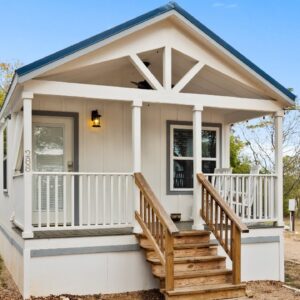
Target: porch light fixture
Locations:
point(95, 118)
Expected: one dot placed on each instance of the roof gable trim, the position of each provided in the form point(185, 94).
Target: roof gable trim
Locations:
point(139, 20)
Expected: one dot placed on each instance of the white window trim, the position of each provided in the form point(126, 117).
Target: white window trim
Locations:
point(172, 157)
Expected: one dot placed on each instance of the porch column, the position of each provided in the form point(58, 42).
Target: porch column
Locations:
point(136, 154)
point(279, 167)
point(198, 223)
point(27, 136)
point(226, 145)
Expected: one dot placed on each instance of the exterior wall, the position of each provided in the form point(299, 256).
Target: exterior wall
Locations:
point(105, 265)
point(262, 256)
point(108, 149)
point(115, 264)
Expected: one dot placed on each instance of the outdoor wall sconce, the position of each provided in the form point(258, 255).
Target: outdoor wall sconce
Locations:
point(95, 119)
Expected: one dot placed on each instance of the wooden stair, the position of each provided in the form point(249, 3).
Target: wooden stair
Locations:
point(199, 272)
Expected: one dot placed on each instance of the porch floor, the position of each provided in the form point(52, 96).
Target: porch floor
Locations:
point(50, 234)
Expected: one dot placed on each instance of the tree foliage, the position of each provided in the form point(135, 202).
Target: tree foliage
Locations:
point(259, 138)
point(6, 75)
point(240, 163)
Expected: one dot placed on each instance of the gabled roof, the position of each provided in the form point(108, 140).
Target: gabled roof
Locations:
point(141, 19)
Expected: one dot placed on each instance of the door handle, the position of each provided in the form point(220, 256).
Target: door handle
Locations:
point(70, 166)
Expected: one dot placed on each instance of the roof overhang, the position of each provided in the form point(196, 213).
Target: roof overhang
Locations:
point(171, 9)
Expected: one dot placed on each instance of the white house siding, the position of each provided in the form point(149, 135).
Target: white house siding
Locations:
point(10, 243)
point(88, 266)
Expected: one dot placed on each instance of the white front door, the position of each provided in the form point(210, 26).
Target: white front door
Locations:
point(52, 152)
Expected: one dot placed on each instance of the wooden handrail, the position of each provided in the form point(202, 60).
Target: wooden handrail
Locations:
point(213, 192)
point(224, 223)
point(158, 227)
point(155, 203)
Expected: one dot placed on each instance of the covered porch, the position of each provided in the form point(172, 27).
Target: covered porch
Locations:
point(100, 193)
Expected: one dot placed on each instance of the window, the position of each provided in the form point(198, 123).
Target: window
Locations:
point(181, 155)
point(5, 159)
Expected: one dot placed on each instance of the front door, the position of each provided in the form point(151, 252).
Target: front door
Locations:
point(53, 151)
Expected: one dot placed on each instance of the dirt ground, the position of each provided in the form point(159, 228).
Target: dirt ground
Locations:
point(292, 256)
point(260, 290)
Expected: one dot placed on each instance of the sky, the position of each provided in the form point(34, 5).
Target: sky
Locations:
point(265, 31)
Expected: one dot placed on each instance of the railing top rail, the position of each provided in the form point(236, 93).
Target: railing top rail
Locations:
point(229, 212)
point(159, 209)
point(83, 173)
point(241, 175)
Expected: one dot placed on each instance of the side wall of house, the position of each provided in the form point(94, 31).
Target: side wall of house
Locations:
point(11, 244)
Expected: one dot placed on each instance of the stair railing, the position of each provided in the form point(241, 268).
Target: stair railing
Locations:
point(224, 224)
point(158, 227)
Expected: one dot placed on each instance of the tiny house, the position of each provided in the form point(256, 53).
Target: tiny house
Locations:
point(103, 141)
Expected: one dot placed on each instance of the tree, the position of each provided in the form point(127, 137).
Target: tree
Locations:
point(240, 163)
point(259, 138)
point(6, 75)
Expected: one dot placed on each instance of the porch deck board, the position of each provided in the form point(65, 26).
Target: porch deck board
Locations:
point(52, 234)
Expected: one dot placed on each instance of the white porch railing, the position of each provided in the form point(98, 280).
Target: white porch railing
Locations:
point(71, 200)
point(252, 197)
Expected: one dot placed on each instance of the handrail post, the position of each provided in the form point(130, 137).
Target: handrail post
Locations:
point(236, 254)
point(169, 258)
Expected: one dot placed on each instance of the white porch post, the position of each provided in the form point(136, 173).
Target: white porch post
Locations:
point(27, 119)
point(279, 167)
point(198, 223)
point(226, 145)
point(136, 154)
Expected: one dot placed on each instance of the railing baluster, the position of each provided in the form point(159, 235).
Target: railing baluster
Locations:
point(80, 200)
point(265, 211)
point(39, 201)
point(119, 199)
point(64, 201)
point(96, 199)
point(56, 199)
point(104, 199)
point(243, 198)
point(126, 201)
point(88, 200)
point(72, 201)
point(260, 198)
point(111, 200)
point(231, 191)
point(48, 201)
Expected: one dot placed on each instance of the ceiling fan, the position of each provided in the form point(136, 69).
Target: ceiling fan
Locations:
point(144, 85)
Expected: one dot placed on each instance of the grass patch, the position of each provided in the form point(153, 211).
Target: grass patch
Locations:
point(292, 274)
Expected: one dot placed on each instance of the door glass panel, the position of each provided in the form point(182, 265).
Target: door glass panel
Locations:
point(209, 142)
point(183, 174)
point(49, 148)
point(183, 143)
point(48, 155)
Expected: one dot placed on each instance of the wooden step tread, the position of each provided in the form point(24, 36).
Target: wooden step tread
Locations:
point(190, 259)
point(182, 233)
point(184, 246)
point(192, 274)
point(192, 233)
point(205, 289)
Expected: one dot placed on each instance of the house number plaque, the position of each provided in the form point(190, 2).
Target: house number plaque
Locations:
point(27, 161)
